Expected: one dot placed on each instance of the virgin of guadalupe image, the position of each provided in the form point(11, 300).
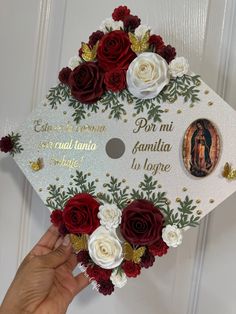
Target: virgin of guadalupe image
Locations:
point(201, 141)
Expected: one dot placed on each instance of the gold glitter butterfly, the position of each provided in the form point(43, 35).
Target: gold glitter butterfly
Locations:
point(89, 54)
point(79, 243)
point(37, 165)
point(131, 254)
point(139, 45)
point(228, 172)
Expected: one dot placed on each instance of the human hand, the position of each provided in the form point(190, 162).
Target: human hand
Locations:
point(44, 282)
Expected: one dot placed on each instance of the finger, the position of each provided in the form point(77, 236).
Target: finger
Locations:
point(58, 243)
point(82, 282)
point(50, 238)
point(59, 256)
point(72, 262)
point(45, 244)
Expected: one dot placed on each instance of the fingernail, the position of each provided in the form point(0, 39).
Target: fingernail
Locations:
point(66, 240)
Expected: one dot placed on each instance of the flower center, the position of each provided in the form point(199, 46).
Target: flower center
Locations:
point(172, 235)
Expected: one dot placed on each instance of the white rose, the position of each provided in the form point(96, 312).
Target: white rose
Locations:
point(172, 235)
point(74, 62)
point(109, 24)
point(179, 67)
point(118, 278)
point(109, 215)
point(105, 248)
point(141, 30)
point(147, 75)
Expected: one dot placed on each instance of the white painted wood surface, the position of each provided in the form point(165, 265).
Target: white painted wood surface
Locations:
point(37, 38)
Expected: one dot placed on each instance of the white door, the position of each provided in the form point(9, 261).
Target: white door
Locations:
point(37, 37)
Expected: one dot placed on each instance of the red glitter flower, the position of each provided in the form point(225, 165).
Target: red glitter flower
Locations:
point(6, 144)
point(131, 269)
point(120, 13)
point(105, 287)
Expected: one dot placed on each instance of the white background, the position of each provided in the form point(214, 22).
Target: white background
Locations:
point(37, 38)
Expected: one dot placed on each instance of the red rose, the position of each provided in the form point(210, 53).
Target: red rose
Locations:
point(64, 75)
point(97, 273)
point(114, 51)
point(157, 42)
point(168, 53)
point(56, 217)
point(80, 214)
point(105, 287)
point(131, 269)
point(120, 13)
point(6, 144)
point(115, 80)
point(141, 223)
point(86, 83)
point(158, 248)
point(147, 259)
point(95, 37)
point(131, 22)
point(83, 258)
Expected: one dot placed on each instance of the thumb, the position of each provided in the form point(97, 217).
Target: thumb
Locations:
point(60, 255)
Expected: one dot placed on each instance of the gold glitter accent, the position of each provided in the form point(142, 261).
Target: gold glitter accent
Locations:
point(127, 187)
point(129, 201)
point(125, 120)
point(40, 190)
point(37, 165)
point(210, 103)
point(99, 194)
point(104, 185)
point(62, 186)
point(139, 45)
point(211, 200)
point(206, 92)
point(159, 186)
point(134, 114)
point(199, 212)
point(109, 117)
point(228, 172)
point(130, 101)
point(108, 174)
point(131, 254)
point(55, 107)
point(168, 202)
point(64, 112)
point(185, 189)
point(48, 188)
point(191, 105)
point(198, 201)
point(89, 54)
point(96, 180)
point(88, 115)
point(89, 174)
point(57, 179)
point(79, 243)
point(103, 110)
point(179, 111)
point(45, 104)
point(72, 176)
point(123, 180)
point(178, 199)
point(166, 110)
point(71, 183)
